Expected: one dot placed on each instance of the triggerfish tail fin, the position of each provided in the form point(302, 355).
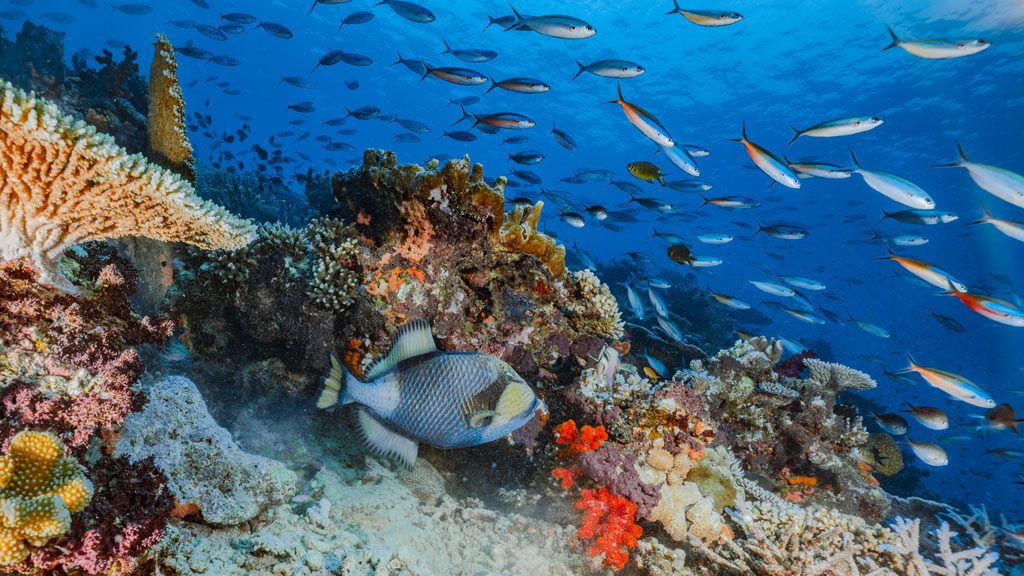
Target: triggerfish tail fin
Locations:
point(384, 441)
point(796, 134)
point(895, 39)
point(334, 386)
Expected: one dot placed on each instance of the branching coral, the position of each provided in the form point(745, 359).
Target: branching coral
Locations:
point(39, 490)
point(168, 137)
point(593, 307)
point(836, 376)
point(63, 183)
point(949, 560)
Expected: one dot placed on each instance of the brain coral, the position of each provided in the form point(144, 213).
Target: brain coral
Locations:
point(39, 489)
point(63, 183)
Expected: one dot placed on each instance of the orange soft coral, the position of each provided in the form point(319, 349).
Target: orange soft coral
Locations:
point(610, 521)
point(418, 231)
point(585, 439)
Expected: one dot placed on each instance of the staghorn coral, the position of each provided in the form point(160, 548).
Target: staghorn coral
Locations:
point(39, 490)
point(777, 538)
point(949, 559)
point(168, 136)
point(836, 376)
point(593, 307)
point(114, 194)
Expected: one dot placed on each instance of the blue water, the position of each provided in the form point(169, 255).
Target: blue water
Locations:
point(785, 63)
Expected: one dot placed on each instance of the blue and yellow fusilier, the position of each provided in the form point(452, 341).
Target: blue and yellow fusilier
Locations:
point(419, 394)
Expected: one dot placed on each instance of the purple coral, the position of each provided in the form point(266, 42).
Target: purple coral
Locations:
point(614, 469)
point(127, 516)
point(793, 366)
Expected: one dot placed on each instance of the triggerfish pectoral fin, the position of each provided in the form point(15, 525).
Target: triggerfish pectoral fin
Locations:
point(384, 441)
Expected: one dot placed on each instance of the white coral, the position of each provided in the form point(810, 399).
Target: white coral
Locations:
point(836, 376)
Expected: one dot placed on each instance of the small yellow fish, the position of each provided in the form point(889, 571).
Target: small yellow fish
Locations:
point(646, 171)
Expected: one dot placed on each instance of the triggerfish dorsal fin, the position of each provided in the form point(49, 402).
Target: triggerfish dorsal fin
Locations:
point(384, 441)
point(414, 339)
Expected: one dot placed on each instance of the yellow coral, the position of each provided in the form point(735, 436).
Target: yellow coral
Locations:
point(39, 490)
point(519, 233)
point(63, 183)
point(168, 138)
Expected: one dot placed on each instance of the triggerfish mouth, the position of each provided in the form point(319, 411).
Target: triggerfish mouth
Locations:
point(419, 394)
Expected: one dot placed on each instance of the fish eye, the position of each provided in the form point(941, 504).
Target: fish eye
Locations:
point(876, 119)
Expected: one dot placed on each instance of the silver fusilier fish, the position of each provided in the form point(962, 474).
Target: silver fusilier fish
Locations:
point(419, 394)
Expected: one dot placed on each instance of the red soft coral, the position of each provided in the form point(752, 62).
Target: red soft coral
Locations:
point(609, 519)
point(583, 440)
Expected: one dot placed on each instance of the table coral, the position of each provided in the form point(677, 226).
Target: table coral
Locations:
point(168, 136)
point(39, 490)
point(610, 521)
point(114, 194)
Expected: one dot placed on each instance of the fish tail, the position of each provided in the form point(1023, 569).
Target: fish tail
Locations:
point(399, 61)
point(987, 218)
point(885, 216)
point(854, 158)
point(447, 48)
point(874, 234)
point(891, 256)
point(335, 386)
point(490, 22)
point(895, 39)
point(427, 69)
point(492, 86)
point(582, 68)
point(796, 134)
point(313, 7)
point(760, 228)
point(959, 162)
point(913, 365)
point(518, 20)
point(675, 8)
point(705, 203)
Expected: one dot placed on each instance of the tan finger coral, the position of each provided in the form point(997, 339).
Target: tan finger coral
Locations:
point(168, 137)
point(39, 490)
point(63, 183)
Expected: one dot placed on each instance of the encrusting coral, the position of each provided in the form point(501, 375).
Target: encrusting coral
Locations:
point(63, 183)
point(39, 490)
point(168, 136)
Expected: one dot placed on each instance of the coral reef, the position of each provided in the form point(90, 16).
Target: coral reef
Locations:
point(66, 362)
point(114, 194)
point(168, 137)
point(206, 470)
point(785, 427)
point(39, 490)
